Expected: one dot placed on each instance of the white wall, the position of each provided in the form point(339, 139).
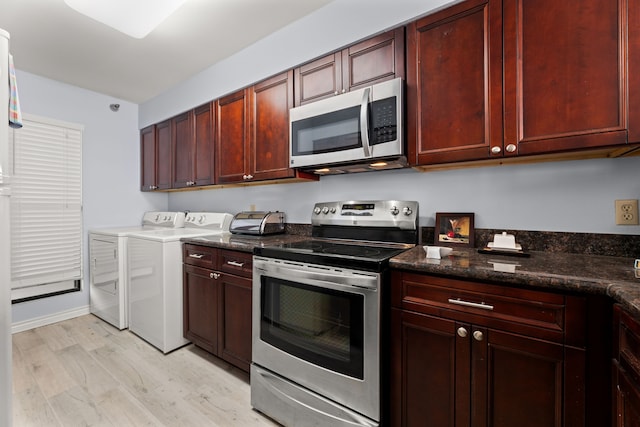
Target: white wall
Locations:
point(575, 196)
point(111, 168)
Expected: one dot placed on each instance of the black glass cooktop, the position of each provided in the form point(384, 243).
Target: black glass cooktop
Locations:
point(336, 254)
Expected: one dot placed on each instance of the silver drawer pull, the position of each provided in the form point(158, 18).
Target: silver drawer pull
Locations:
point(236, 263)
point(196, 256)
point(470, 304)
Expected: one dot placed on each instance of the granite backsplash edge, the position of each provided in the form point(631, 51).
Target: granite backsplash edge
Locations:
point(620, 245)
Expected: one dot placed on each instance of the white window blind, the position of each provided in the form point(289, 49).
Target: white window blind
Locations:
point(46, 208)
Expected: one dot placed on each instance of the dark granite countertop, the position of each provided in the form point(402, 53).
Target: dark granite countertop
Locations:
point(594, 274)
point(242, 242)
point(583, 273)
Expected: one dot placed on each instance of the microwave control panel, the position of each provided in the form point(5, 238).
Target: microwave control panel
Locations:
point(384, 121)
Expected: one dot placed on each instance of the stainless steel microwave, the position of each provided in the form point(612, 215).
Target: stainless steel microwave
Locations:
point(352, 132)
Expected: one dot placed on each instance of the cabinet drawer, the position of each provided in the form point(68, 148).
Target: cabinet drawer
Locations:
point(201, 256)
point(235, 262)
point(535, 313)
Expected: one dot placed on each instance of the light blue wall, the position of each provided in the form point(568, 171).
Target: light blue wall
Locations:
point(338, 24)
point(111, 168)
point(576, 196)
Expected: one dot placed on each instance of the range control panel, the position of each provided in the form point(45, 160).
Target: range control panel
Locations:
point(369, 213)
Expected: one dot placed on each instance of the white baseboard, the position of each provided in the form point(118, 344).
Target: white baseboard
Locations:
point(49, 319)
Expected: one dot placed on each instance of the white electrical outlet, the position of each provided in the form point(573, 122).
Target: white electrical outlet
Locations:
point(627, 212)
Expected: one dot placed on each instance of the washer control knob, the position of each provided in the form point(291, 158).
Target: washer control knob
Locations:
point(394, 211)
point(332, 210)
point(316, 210)
point(325, 210)
point(407, 210)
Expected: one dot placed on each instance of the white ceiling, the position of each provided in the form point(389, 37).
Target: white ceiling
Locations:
point(51, 40)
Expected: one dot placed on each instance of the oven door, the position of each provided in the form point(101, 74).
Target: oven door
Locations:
point(319, 327)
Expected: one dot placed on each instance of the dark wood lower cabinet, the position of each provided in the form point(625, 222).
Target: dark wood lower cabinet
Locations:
point(235, 338)
point(217, 302)
point(456, 374)
point(467, 354)
point(626, 370)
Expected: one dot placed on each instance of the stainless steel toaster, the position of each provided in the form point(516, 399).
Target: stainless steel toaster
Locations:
point(257, 223)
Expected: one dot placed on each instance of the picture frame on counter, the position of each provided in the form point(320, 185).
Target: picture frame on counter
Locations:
point(454, 229)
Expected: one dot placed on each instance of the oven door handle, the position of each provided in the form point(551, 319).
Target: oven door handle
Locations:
point(328, 279)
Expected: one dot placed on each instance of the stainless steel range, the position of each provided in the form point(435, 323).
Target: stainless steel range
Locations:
point(318, 307)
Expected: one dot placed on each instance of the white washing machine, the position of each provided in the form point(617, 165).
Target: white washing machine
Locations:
point(108, 265)
point(155, 278)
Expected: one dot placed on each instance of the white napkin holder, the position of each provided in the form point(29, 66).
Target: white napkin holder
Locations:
point(436, 252)
point(504, 241)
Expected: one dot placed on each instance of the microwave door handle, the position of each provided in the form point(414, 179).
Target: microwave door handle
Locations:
point(364, 126)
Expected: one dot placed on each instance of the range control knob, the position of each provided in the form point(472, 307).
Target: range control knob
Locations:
point(332, 210)
point(316, 210)
point(325, 210)
point(407, 210)
point(394, 211)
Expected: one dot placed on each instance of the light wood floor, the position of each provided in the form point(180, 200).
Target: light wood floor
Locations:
point(84, 372)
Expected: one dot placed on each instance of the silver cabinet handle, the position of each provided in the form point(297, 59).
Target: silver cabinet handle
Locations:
point(236, 263)
point(462, 332)
point(196, 256)
point(214, 275)
point(511, 148)
point(496, 150)
point(481, 305)
point(478, 335)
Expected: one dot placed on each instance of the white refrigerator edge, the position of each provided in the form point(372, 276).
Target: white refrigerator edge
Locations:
point(5, 245)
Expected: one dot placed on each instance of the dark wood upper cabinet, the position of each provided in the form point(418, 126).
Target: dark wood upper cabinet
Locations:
point(253, 132)
point(203, 162)
point(371, 61)
point(270, 102)
point(492, 79)
point(183, 149)
point(148, 158)
point(155, 157)
point(565, 74)
point(232, 126)
point(454, 83)
point(164, 161)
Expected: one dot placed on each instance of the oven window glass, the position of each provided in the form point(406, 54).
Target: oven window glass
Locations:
point(335, 131)
point(322, 326)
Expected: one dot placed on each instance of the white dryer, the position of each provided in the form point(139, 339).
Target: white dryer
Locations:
point(108, 265)
point(155, 278)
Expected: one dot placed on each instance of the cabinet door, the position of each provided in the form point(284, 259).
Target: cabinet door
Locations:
point(517, 381)
point(183, 149)
point(163, 157)
point(235, 335)
point(564, 74)
point(231, 136)
point(201, 311)
point(627, 397)
point(148, 158)
point(426, 387)
point(454, 84)
point(318, 79)
point(374, 60)
point(270, 104)
point(203, 165)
